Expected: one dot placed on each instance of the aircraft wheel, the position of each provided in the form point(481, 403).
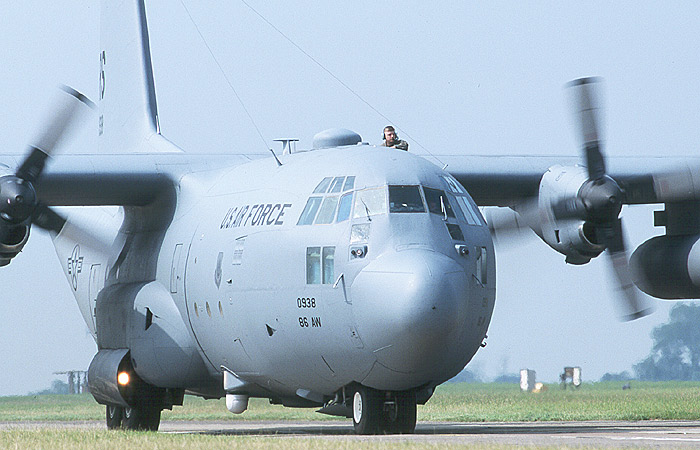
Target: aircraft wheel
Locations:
point(366, 410)
point(114, 417)
point(402, 418)
point(141, 418)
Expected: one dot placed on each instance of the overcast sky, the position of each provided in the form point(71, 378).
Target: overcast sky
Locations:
point(454, 77)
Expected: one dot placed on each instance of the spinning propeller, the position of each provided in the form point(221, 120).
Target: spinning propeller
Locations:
point(597, 203)
point(19, 205)
point(599, 200)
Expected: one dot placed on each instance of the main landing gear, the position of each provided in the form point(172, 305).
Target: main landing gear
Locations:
point(142, 415)
point(376, 412)
point(140, 418)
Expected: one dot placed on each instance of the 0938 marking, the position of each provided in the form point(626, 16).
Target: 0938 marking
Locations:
point(304, 302)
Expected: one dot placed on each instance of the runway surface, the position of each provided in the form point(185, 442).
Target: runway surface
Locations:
point(656, 434)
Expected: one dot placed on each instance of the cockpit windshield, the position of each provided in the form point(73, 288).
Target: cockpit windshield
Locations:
point(405, 199)
point(369, 202)
point(334, 200)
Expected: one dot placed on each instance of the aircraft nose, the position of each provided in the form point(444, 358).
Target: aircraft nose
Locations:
point(411, 308)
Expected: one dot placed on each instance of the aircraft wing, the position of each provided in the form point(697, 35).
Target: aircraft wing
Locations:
point(509, 180)
point(135, 179)
point(118, 179)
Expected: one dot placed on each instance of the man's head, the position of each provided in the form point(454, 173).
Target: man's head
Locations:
point(390, 135)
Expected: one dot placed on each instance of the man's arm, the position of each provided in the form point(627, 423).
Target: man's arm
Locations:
point(401, 145)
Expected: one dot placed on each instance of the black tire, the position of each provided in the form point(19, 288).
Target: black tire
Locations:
point(366, 411)
point(114, 417)
point(405, 420)
point(141, 418)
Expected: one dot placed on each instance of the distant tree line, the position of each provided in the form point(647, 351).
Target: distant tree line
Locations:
point(510, 378)
point(675, 354)
point(622, 376)
point(676, 351)
point(57, 387)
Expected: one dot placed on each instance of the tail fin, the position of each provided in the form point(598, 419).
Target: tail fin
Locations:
point(128, 119)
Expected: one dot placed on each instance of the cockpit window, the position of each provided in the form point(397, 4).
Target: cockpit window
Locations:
point(405, 199)
point(307, 216)
point(453, 185)
point(438, 202)
point(458, 210)
point(349, 183)
point(344, 207)
point(455, 232)
point(462, 202)
point(327, 211)
point(470, 213)
point(369, 202)
point(323, 186)
point(334, 185)
point(337, 185)
point(325, 202)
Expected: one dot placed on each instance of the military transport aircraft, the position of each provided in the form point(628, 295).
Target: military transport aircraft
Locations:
point(349, 277)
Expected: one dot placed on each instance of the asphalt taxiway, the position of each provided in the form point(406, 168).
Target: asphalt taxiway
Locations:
point(604, 434)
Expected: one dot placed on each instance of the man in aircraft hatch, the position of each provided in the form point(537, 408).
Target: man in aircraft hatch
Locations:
point(392, 140)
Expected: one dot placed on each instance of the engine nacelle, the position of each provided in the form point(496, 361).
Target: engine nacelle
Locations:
point(104, 377)
point(113, 381)
point(14, 241)
point(668, 267)
point(573, 238)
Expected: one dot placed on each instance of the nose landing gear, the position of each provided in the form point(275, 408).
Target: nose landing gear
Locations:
point(376, 412)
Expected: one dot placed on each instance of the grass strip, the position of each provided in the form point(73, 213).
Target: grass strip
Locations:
point(461, 402)
point(119, 440)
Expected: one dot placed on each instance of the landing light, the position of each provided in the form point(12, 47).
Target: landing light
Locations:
point(123, 378)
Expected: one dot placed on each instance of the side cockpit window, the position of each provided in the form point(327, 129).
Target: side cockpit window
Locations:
point(310, 210)
point(438, 202)
point(324, 207)
point(327, 211)
point(405, 199)
point(463, 202)
point(454, 186)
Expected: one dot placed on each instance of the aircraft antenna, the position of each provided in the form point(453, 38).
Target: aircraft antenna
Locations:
point(279, 163)
point(238, 97)
point(315, 61)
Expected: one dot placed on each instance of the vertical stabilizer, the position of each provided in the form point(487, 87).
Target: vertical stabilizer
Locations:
point(128, 120)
